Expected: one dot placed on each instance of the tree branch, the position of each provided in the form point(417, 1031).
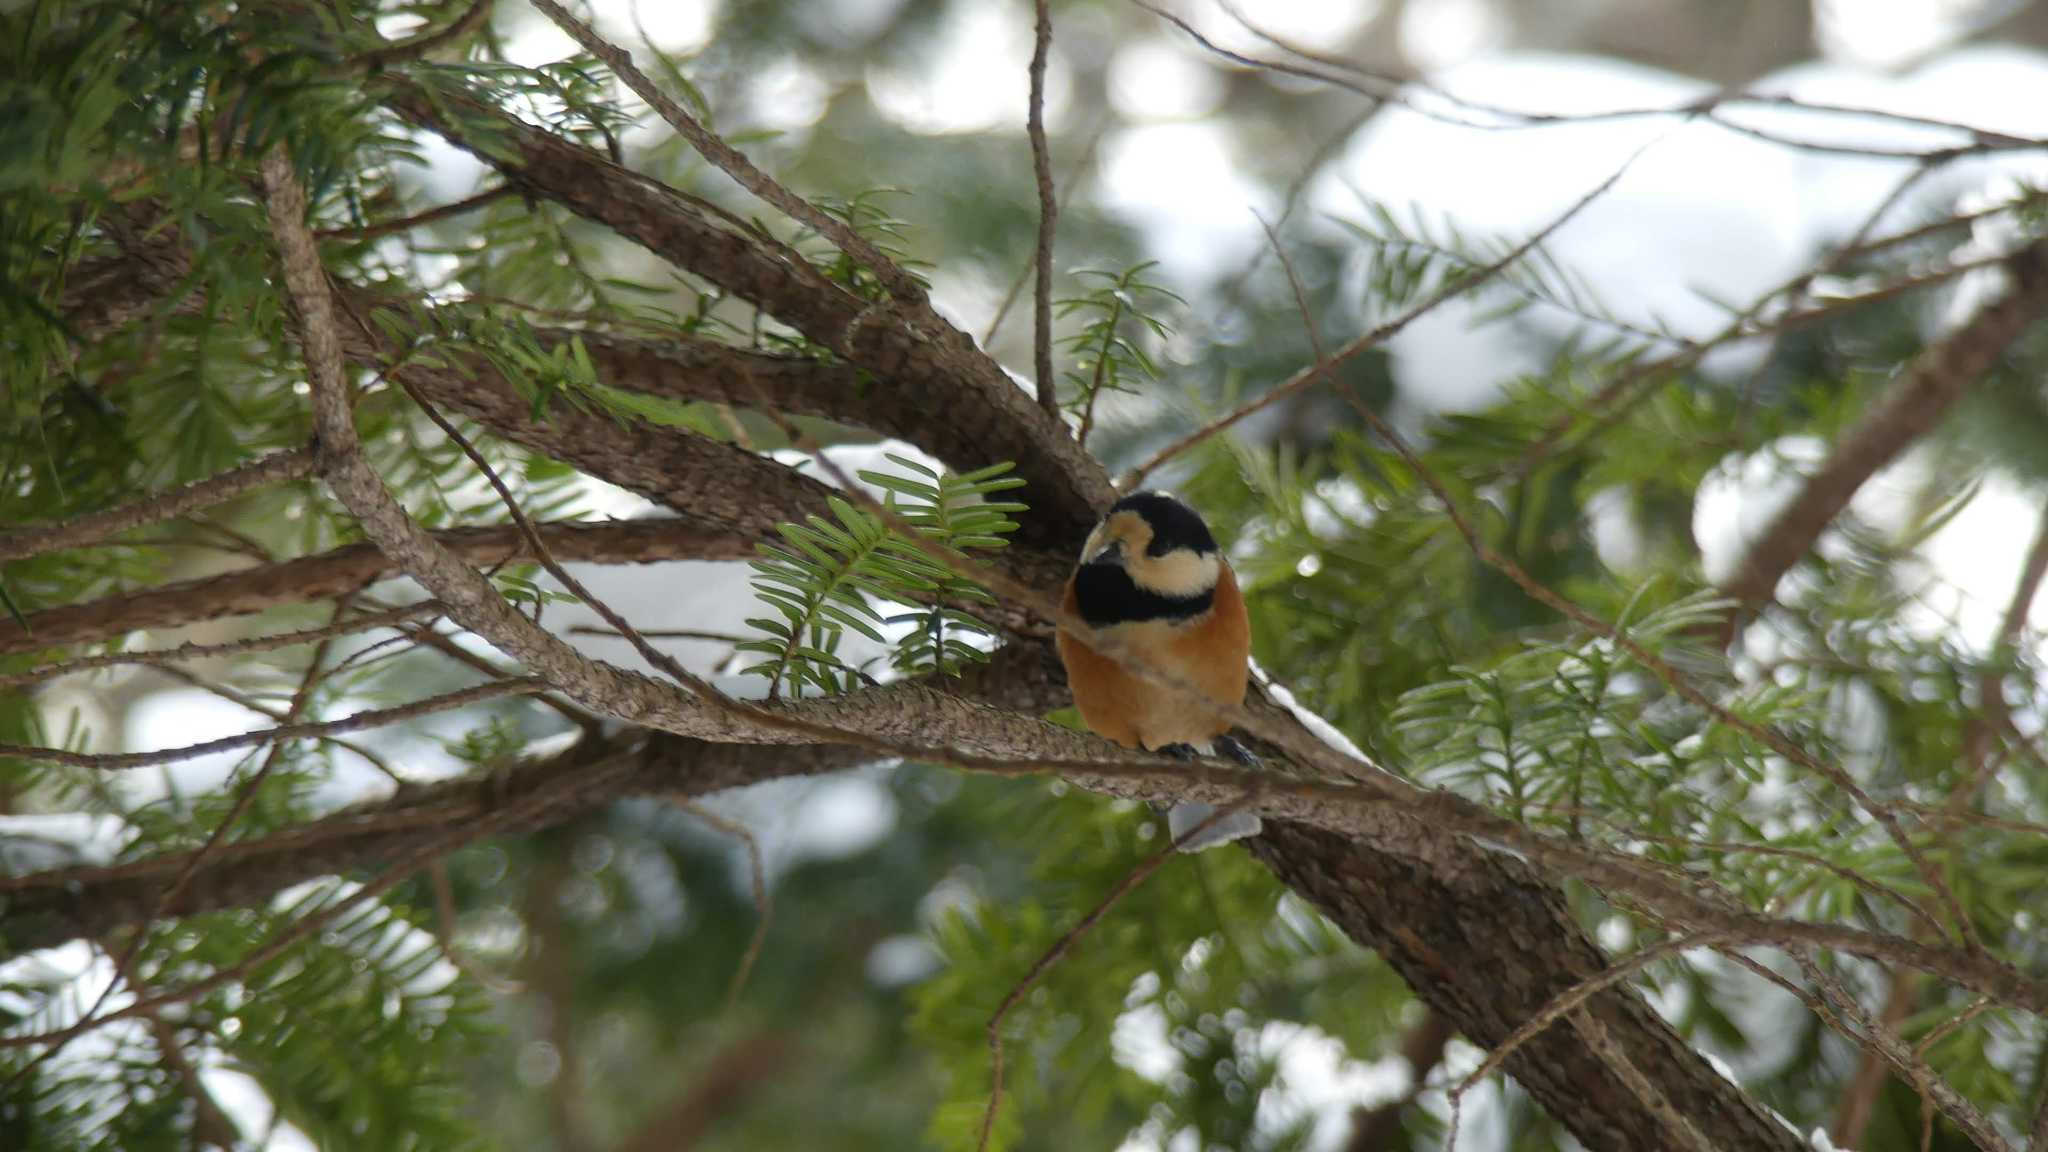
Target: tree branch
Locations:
point(733, 162)
point(372, 718)
point(933, 365)
point(1923, 394)
point(1048, 214)
point(79, 531)
point(323, 576)
point(679, 1125)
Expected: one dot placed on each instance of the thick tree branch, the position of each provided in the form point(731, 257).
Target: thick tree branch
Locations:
point(1923, 394)
point(326, 575)
point(702, 480)
point(733, 162)
point(934, 365)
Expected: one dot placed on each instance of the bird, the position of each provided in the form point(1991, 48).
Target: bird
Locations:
point(1152, 580)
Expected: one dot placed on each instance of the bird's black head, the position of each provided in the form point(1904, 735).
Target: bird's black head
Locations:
point(1151, 558)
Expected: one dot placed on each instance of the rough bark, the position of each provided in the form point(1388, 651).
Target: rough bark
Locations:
point(1490, 972)
point(325, 575)
point(929, 364)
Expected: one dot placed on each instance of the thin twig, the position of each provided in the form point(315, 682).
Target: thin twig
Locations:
point(1379, 334)
point(244, 797)
point(1060, 948)
point(1993, 716)
point(400, 871)
point(1495, 118)
point(1876, 1036)
point(1048, 214)
point(660, 634)
point(1859, 1098)
point(757, 873)
point(189, 651)
point(210, 1125)
point(1932, 384)
point(421, 46)
point(1631, 386)
point(420, 219)
point(524, 686)
point(655, 656)
point(1024, 272)
point(1564, 1004)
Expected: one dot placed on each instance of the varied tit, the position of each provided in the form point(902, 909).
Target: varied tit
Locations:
point(1152, 579)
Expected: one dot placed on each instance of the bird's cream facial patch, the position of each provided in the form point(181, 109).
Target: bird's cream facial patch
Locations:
point(1180, 573)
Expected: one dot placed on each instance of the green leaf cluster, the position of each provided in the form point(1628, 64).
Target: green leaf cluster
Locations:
point(829, 576)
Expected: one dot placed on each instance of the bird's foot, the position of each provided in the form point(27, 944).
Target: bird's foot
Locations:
point(1180, 751)
point(1235, 751)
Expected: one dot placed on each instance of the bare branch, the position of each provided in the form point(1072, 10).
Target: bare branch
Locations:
point(1478, 115)
point(326, 575)
point(399, 871)
point(1632, 385)
point(1877, 1037)
point(1380, 334)
point(1859, 1098)
point(374, 718)
point(210, 1125)
point(79, 531)
point(1923, 394)
point(1024, 273)
point(429, 43)
point(1059, 949)
point(757, 874)
point(1048, 214)
point(421, 219)
point(254, 644)
point(678, 1126)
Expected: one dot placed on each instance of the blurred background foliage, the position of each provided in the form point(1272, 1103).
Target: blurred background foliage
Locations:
point(1210, 1010)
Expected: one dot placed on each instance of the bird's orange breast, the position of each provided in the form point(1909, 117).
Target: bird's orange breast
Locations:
point(1211, 651)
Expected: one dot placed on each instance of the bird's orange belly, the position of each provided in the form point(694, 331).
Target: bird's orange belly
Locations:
point(1122, 706)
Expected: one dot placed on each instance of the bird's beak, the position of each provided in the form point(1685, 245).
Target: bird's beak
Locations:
point(1111, 554)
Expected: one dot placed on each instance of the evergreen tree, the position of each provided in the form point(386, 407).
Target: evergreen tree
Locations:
point(1575, 830)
